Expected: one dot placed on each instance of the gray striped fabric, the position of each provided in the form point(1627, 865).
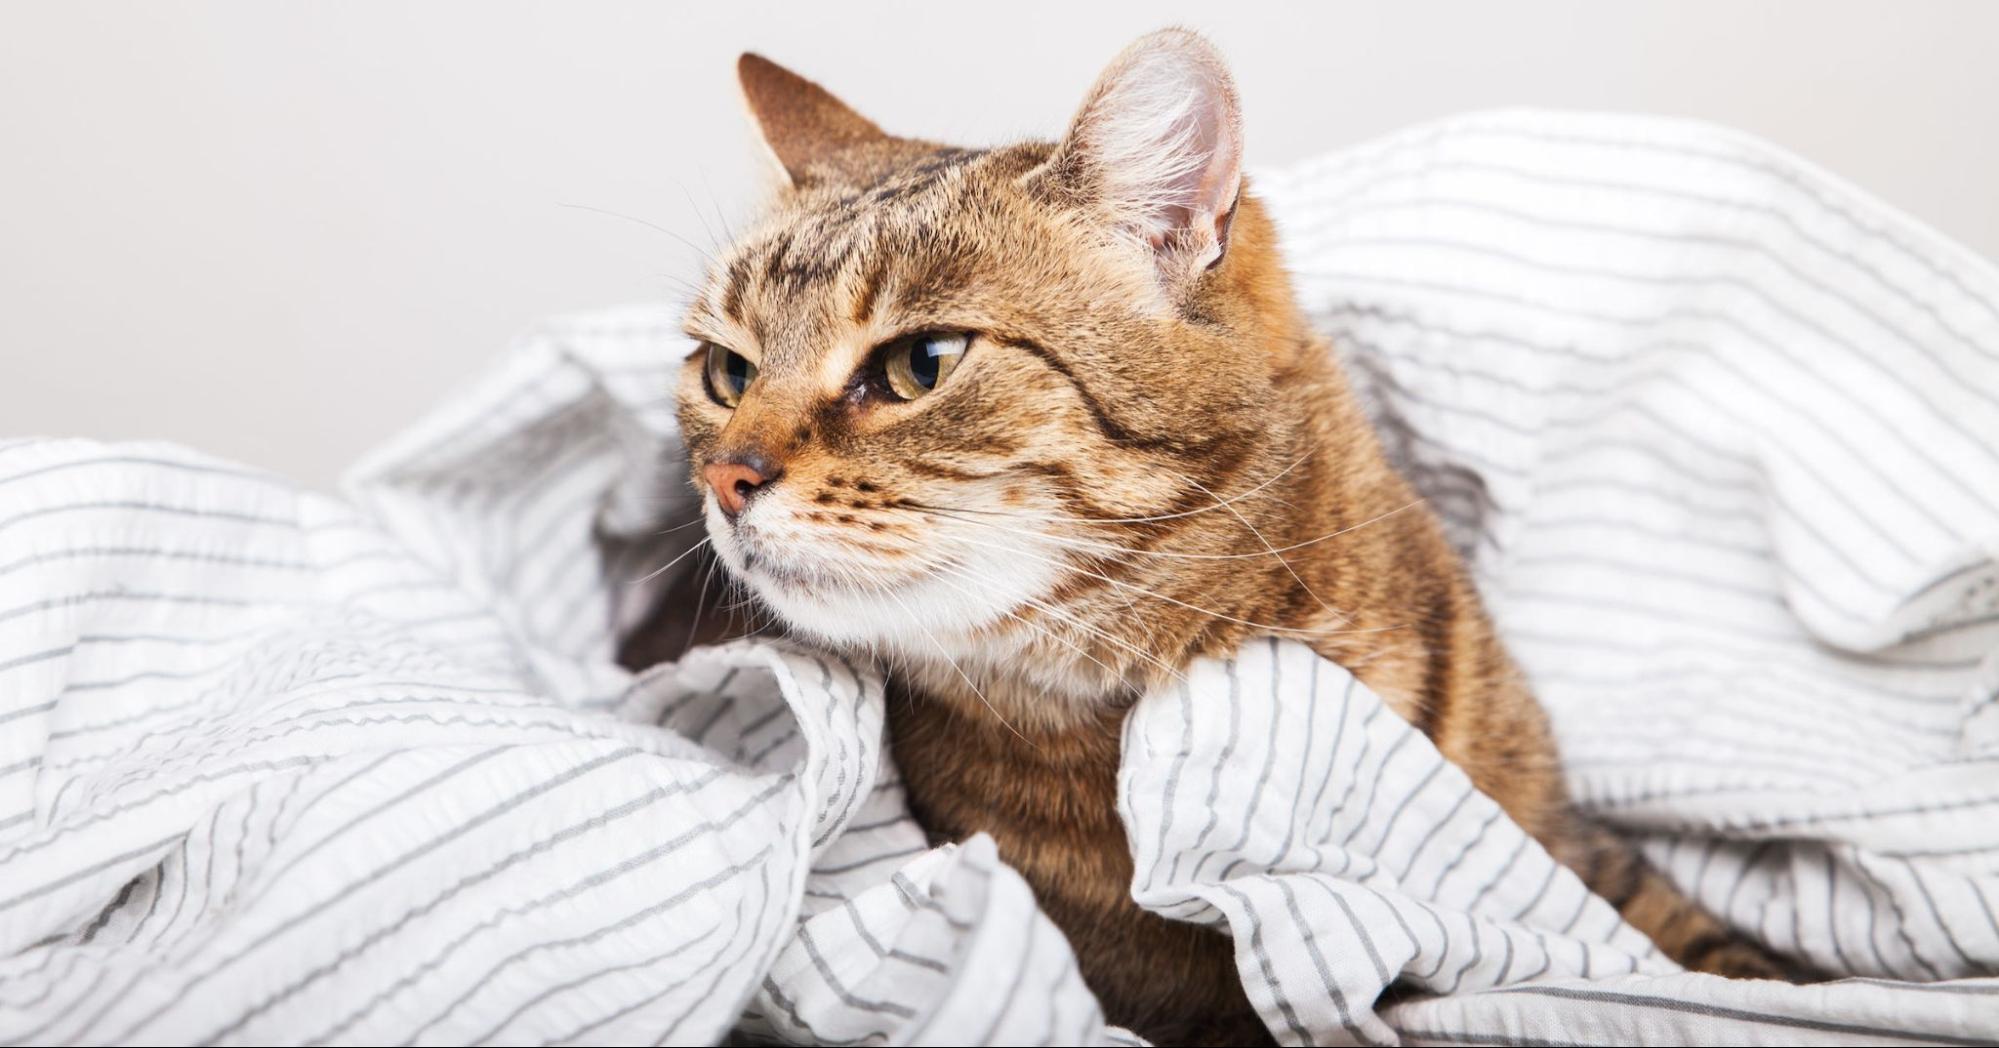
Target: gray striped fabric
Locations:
point(1715, 430)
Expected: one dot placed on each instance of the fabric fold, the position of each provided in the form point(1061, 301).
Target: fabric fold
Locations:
point(1714, 430)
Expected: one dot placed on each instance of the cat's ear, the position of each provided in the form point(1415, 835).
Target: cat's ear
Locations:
point(1157, 148)
point(802, 123)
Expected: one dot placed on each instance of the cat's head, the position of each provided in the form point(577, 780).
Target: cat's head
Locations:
point(940, 391)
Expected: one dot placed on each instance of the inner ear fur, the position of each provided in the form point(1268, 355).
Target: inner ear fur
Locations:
point(1156, 148)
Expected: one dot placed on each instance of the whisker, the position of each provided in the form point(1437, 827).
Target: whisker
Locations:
point(1038, 628)
point(1094, 631)
point(1087, 629)
point(700, 605)
point(1111, 547)
point(717, 205)
point(657, 572)
point(698, 214)
point(696, 248)
point(927, 635)
point(1270, 627)
point(680, 527)
point(1064, 519)
point(1295, 577)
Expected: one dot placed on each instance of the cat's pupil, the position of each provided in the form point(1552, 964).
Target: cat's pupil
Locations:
point(914, 366)
point(728, 374)
point(738, 370)
point(923, 354)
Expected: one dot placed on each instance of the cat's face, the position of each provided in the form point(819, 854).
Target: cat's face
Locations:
point(940, 391)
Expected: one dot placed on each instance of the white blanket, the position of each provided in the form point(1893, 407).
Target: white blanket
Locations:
point(1716, 430)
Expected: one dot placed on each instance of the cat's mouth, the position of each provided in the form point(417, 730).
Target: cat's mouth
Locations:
point(766, 561)
point(811, 578)
point(921, 598)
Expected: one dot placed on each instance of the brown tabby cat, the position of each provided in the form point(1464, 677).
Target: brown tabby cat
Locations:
point(1041, 424)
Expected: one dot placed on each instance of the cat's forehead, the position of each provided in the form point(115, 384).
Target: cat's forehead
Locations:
point(867, 252)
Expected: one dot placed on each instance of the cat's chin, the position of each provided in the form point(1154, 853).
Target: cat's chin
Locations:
point(891, 613)
point(919, 613)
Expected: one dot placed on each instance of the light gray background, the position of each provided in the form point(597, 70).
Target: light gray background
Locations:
point(278, 231)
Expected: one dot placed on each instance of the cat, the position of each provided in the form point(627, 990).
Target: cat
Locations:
point(1040, 424)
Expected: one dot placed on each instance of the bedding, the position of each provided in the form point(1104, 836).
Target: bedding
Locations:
point(1717, 432)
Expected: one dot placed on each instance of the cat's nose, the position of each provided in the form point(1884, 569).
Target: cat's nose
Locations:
point(735, 481)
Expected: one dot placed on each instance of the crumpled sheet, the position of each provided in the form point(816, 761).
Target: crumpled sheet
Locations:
point(1716, 431)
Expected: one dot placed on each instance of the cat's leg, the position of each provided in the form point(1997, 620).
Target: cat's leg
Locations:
point(1483, 718)
point(1493, 729)
point(1513, 758)
point(1683, 930)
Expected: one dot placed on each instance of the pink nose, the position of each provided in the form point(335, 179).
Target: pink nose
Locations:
point(733, 484)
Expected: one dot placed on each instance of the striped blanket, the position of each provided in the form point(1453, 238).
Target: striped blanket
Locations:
point(1718, 434)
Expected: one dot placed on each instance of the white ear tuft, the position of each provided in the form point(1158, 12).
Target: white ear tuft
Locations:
point(1158, 144)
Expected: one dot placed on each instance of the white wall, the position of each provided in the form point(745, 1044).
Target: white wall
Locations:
point(277, 231)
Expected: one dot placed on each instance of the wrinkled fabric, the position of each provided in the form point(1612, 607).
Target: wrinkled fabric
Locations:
point(1714, 430)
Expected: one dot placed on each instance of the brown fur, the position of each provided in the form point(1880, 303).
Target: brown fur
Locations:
point(1153, 432)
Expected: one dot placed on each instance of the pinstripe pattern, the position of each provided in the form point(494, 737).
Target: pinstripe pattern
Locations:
point(1716, 431)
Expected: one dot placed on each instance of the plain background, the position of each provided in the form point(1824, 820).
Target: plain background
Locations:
point(278, 231)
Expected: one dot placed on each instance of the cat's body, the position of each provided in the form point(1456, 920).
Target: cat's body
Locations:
point(1042, 424)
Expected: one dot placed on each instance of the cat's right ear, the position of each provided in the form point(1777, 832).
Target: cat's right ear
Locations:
point(1157, 150)
point(802, 124)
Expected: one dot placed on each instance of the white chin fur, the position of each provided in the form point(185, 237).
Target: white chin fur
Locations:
point(919, 616)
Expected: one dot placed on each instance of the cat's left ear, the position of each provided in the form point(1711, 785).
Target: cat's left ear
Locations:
point(802, 123)
point(1157, 148)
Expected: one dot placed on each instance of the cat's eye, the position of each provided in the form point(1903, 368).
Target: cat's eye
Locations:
point(729, 374)
point(918, 364)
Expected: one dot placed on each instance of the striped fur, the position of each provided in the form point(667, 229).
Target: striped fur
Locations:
point(1147, 457)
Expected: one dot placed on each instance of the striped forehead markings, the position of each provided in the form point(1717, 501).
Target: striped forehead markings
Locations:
point(811, 252)
point(819, 244)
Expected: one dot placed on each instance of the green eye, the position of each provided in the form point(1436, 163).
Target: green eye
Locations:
point(729, 374)
point(916, 365)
